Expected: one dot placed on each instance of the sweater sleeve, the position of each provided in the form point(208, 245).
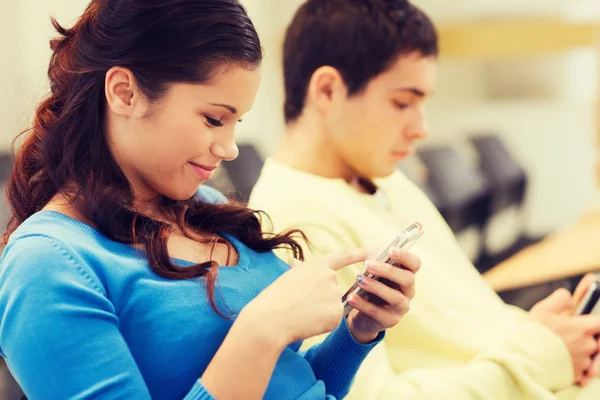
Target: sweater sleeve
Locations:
point(532, 363)
point(59, 332)
point(336, 360)
point(505, 372)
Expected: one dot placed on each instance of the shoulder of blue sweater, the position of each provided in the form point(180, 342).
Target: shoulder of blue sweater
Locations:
point(210, 195)
point(49, 224)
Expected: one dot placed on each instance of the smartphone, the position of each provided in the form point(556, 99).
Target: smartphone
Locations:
point(590, 304)
point(403, 241)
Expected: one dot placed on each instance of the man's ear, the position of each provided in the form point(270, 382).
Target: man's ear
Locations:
point(121, 90)
point(325, 87)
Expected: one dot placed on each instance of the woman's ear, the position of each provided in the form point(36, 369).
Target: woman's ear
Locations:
point(326, 86)
point(121, 90)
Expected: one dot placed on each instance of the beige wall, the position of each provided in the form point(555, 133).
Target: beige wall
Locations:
point(25, 31)
point(264, 123)
point(9, 64)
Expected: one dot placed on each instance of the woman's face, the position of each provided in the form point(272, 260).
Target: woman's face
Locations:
point(170, 147)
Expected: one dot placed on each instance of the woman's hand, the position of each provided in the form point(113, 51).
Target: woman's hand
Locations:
point(303, 302)
point(387, 300)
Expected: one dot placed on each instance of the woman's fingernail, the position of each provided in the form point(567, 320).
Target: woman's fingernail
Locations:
point(352, 299)
point(361, 280)
point(395, 252)
point(372, 266)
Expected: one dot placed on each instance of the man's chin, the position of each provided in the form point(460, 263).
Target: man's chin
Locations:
point(383, 172)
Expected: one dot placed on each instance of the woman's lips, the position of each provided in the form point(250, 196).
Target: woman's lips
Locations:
point(203, 171)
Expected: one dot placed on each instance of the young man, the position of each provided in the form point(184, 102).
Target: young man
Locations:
point(356, 75)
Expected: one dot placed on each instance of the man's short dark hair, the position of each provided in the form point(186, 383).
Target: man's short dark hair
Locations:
point(359, 38)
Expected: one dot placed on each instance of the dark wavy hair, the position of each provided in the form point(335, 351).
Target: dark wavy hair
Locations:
point(360, 38)
point(161, 42)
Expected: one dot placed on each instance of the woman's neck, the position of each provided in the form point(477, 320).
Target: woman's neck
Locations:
point(71, 206)
point(74, 205)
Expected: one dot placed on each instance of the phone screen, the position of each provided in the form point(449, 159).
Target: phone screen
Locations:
point(590, 304)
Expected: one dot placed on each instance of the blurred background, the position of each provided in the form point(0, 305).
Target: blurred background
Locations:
point(514, 128)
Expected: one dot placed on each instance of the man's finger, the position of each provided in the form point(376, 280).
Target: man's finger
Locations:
point(582, 287)
point(590, 323)
point(559, 301)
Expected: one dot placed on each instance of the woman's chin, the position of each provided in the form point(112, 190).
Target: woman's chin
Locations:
point(182, 194)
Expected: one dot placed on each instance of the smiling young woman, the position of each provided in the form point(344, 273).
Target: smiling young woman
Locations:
point(120, 277)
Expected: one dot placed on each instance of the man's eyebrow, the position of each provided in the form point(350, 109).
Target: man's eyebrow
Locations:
point(415, 91)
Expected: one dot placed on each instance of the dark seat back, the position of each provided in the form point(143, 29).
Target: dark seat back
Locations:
point(506, 179)
point(462, 189)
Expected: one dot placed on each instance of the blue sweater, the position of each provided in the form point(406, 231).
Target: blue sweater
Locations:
point(84, 317)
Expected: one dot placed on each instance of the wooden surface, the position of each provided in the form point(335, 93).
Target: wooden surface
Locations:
point(568, 253)
point(509, 38)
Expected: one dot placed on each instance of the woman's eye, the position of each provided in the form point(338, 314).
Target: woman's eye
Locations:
point(213, 122)
point(401, 106)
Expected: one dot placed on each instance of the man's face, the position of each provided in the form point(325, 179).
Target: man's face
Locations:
point(376, 128)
